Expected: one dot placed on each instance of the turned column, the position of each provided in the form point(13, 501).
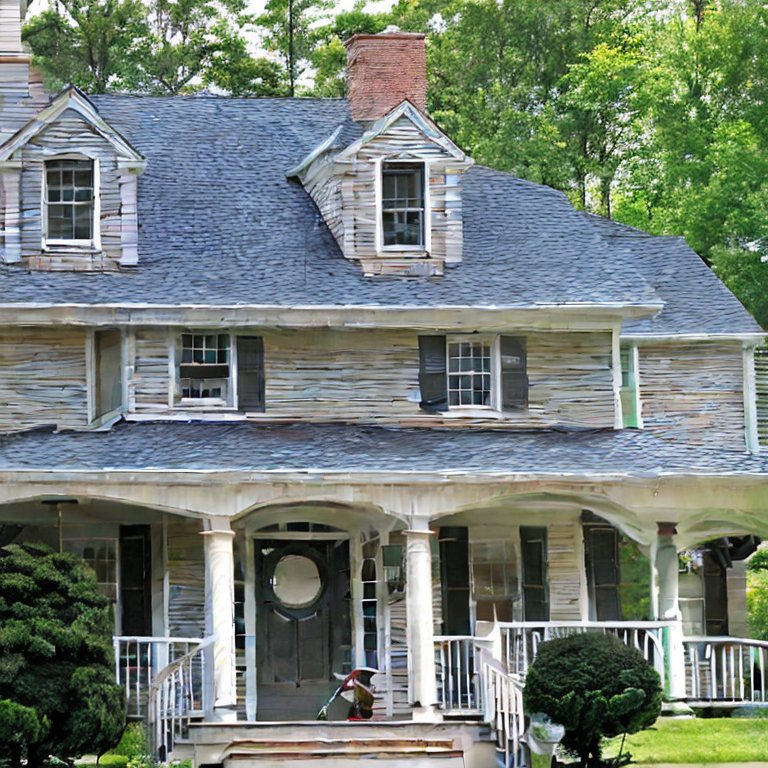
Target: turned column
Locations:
point(668, 609)
point(220, 616)
point(421, 644)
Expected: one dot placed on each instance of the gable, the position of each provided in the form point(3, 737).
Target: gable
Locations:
point(73, 103)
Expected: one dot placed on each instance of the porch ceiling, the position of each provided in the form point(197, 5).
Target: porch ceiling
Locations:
point(334, 448)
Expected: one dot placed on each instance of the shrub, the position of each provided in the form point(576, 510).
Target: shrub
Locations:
point(757, 603)
point(56, 657)
point(595, 686)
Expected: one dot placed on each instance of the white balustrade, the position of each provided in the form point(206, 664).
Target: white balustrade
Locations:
point(503, 697)
point(726, 669)
point(139, 659)
point(521, 640)
point(458, 688)
point(176, 697)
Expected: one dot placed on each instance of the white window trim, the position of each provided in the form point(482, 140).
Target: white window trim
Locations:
point(405, 250)
point(203, 403)
point(495, 343)
point(92, 245)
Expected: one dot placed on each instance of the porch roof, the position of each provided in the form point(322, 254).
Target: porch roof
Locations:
point(332, 448)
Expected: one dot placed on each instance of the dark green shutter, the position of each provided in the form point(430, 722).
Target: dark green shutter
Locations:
point(533, 548)
point(433, 380)
point(514, 375)
point(250, 373)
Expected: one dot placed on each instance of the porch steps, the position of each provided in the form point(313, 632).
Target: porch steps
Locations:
point(340, 744)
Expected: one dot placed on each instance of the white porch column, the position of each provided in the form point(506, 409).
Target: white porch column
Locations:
point(220, 614)
point(668, 609)
point(421, 644)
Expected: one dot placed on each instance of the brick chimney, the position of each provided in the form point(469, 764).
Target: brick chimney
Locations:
point(384, 70)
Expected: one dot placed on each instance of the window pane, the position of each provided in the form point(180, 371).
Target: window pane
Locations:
point(403, 204)
point(69, 194)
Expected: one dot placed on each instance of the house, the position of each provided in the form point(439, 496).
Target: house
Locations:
point(312, 391)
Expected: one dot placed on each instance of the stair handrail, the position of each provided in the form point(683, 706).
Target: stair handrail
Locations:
point(164, 718)
point(503, 698)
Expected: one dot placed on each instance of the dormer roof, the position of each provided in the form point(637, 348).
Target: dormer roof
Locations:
point(72, 98)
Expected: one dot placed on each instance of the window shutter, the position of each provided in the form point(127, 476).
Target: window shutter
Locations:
point(514, 375)
point(250, 373)
point(433, 380)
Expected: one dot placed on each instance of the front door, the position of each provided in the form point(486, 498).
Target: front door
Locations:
point(302, 625)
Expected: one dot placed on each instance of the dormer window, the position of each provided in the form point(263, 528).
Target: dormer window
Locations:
point(70, 202)
point(402, 205)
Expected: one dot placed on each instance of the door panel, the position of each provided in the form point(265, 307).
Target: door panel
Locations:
point(300, 620)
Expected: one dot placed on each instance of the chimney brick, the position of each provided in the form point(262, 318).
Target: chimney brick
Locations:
point(383, 70)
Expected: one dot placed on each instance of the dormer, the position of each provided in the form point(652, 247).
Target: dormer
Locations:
point(392, 198)
point(70, 190)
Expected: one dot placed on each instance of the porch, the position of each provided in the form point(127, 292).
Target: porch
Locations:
point(478, 679)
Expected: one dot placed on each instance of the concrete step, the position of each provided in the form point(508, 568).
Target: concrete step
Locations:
point(262, 745)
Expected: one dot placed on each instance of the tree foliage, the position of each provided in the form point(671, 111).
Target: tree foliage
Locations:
point(594, 686)
point(57, 690)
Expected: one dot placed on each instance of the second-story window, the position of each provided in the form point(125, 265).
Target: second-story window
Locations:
point(69, 200)
point(402, 205)
point(204, 370)
point(473, 371)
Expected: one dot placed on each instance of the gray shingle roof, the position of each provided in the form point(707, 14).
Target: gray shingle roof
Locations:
point(695, 300)
point(221, 225)
point(301, 447)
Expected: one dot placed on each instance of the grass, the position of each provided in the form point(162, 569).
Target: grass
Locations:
point(715, 740)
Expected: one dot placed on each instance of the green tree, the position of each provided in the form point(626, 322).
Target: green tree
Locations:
point(90, 43)
point(55, 658)
point(594, 686)
point(150, 46)
point(290, 31)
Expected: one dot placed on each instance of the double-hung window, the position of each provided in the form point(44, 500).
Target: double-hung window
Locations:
point(475, 371)
point(204, 372)
point(402, 205)
point(70, 201)
point(220, 369)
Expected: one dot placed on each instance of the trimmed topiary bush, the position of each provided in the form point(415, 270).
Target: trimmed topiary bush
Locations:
point(595, 686)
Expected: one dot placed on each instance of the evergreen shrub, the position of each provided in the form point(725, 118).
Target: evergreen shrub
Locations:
point(595, 686)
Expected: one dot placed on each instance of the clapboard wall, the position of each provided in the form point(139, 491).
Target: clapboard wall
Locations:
point(693, 391)
point(373, 376)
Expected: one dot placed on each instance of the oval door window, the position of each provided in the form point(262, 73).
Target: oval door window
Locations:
point(296, 581)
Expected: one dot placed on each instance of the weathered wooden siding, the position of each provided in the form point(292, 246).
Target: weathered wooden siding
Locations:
point(149, 381)
point(360, 212)
point(43, 378)
point(693, 392)
point(761, 386)
point(565, 570)
point(186, 578)
point(70, 133)
point(372, 375)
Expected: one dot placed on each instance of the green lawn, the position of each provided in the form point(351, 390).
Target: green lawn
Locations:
point(716, 740)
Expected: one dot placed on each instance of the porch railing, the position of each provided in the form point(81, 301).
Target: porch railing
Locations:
point(726, 669)
point(458, 674)
point(520, 640)
point(176, 697)
point(503, 697)
point(138, 660)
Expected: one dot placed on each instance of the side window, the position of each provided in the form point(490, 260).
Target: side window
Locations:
point(402, 205)
point(630, 394)
point(70, 201)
